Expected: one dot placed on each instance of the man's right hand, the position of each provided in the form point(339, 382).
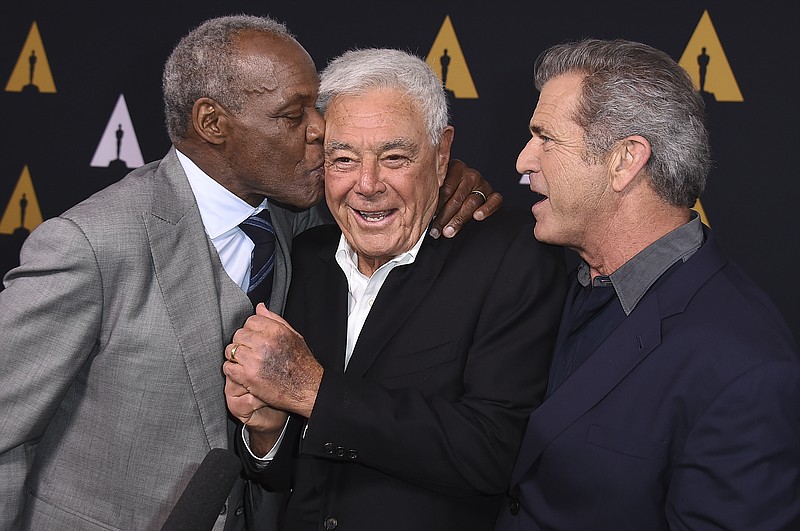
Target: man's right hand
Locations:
point(264, 423)
point(271, 360)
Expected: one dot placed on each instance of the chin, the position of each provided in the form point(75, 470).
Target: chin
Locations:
point(541, 234)
point(303, 203)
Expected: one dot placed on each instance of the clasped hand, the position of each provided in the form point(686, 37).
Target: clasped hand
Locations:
point(270, 371)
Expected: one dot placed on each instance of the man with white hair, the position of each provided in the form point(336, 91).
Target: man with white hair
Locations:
point(428, 355)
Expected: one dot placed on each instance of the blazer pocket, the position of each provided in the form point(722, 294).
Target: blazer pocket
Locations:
point(402, 364)
point(626, 443)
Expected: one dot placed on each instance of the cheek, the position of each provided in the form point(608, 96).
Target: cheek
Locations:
point(560, 176)
point(285, 146)
point(423, 203)
point(335, 192)
point(338, 192)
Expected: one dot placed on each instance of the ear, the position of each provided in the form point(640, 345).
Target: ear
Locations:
point(210, 120)
point(443, 153)
point(627, 160)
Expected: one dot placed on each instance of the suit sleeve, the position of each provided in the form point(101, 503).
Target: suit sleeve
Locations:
point(464, 445)
point(740, 465)
point(50, 314)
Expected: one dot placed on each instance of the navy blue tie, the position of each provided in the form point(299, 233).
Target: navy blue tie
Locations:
point(259, 229)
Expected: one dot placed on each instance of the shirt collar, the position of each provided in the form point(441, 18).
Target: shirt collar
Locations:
point(632, 280)
point(348, 259)
point(220, 209)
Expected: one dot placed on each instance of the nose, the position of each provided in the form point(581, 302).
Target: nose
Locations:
point(528, 159)
point(315, 131)
point(369, 181)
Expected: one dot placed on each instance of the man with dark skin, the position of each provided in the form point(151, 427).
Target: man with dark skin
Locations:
point(125, 302)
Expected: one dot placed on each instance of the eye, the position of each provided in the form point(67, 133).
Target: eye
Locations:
point(395, 160)
point(295, 115)
point(539, 134)
point(340, 163)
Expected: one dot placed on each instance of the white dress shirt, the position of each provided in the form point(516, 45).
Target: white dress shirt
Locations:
point(222, 211)
point(363, 290)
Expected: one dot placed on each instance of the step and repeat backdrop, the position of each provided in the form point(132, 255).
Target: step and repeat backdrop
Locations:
point(81, 98)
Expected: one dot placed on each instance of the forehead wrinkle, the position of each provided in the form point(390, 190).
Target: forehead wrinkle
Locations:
point(258, 75)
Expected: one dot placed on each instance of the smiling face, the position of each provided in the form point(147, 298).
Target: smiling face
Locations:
point(274, 146)
point(575, 187)
point(382, 175)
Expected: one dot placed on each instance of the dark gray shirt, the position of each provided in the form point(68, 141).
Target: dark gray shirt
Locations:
point(632, 280)
point(601, 304)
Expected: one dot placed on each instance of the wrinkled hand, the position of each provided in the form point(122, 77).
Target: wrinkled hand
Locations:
point(264, 423)
point(273, 363)
point(458, 205)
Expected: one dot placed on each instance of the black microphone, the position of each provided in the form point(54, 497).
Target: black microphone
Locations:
point(201, 501)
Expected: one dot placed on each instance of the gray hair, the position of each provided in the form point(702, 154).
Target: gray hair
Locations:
point(630, 88)
point(203, 64)
point(356, 71)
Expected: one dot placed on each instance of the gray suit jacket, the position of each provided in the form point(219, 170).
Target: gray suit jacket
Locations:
point(113, 330)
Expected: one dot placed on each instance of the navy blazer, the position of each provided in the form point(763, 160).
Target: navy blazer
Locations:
point(422, 430)
point(686, 417)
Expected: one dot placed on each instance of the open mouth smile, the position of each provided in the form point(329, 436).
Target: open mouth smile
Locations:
point(374, 216)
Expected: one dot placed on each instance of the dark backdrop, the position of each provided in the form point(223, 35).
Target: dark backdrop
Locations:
point(96, 52)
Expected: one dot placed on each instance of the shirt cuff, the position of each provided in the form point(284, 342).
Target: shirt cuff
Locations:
point(262, 462)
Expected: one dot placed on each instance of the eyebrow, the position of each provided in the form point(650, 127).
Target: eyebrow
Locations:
point(398, 143)
point(333, 145)
point(539, 130)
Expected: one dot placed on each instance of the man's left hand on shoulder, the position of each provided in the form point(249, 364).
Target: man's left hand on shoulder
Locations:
point(464, 195)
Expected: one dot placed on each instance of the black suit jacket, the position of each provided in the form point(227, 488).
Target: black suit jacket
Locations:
point(422, 429)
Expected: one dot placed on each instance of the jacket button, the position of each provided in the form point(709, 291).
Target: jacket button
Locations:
point(328, 447)
point(352, 454)
point(339, 452)
point(239, 511)
point(513, 506)
point(330, 523)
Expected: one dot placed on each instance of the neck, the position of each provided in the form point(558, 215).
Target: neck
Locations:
point(207, 159)
point(367, 266)
point(629, 232)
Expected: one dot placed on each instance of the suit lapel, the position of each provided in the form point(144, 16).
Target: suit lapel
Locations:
point(188, 272)
point(617, 356)
point(398, 298)
point(325, 305)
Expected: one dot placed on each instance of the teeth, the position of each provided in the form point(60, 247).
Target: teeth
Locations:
point(373, 216)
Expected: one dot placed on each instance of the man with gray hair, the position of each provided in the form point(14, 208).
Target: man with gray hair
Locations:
point(672, 400)
point(122, 306)
point(428, 355)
